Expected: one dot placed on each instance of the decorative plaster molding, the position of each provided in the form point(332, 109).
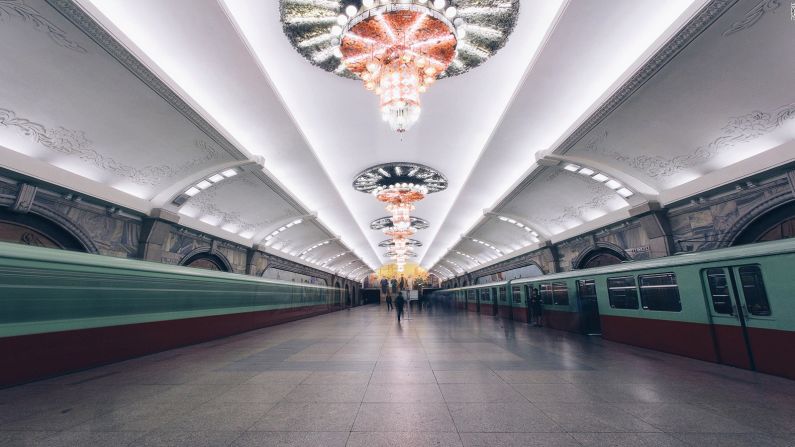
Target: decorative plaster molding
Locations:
point(25, 198)
point(28, 14)
point(753, 16)
point(737, 130)
point(682, 39)
point(70, 10)
point(206, 203)
point(74, 143)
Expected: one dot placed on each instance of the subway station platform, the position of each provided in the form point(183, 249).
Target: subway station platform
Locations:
point(358, 378)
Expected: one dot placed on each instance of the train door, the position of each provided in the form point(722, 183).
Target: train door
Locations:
point(477, 301)
point(736, 297)
point(494, 305)
point(589, 307)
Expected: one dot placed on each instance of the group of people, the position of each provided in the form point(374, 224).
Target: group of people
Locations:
point(400, 302)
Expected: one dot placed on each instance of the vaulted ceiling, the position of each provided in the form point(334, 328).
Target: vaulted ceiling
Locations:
point(137, 102)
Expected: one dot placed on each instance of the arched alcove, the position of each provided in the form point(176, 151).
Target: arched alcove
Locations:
point(599, 256)
point(35, 230)
point(778, 223)
point(208, 261)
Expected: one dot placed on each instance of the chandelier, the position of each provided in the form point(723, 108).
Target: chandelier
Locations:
point(400, 186)
point(398, 48)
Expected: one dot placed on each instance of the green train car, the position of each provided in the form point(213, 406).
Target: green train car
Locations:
point(62, 311)
point(734, 306)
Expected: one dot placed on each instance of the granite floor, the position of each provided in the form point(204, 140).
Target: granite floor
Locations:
point(357, 378)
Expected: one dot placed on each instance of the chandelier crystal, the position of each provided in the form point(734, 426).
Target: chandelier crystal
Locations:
point(398, 48)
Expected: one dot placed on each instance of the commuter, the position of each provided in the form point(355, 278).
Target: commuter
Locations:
point(388, 302)
point(384, 286)
point(402, 283)
point(394, 284)
point(399, 303)
point(536, 306)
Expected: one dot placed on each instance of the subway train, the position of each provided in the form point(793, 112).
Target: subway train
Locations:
point(734, 306)
point(63, 311)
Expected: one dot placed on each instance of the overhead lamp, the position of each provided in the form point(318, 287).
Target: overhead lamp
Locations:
point(624, 192)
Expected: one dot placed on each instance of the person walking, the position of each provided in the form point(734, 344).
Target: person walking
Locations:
point(399, 303)
point(388, 302)
point(536, 306)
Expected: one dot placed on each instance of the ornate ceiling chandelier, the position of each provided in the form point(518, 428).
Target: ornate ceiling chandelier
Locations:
point(400, 185)
point(398, 48)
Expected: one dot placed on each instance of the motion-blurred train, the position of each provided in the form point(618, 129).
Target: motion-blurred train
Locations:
point(62, 311)
point(734, 306)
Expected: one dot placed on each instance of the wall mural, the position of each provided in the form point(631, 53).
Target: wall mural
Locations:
point(528, 271)
point(285, 275)
point(20, 234)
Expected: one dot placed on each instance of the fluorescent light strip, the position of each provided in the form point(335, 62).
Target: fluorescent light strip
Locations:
point(209, 181)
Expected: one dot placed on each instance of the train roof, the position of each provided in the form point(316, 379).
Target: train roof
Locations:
point(723, 254)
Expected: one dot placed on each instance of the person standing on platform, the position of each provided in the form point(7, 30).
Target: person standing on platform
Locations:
point(399, 303)
point(394, 286)
point(384, 286)
point(402, 283)
point(388, 302)
point(536, 306)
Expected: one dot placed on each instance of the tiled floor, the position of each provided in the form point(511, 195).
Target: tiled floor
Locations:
point(357, 378)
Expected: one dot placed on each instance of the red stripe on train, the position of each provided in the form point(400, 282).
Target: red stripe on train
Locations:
point(30, 357)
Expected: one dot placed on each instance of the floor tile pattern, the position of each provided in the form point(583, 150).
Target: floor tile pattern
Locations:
point(358, 378)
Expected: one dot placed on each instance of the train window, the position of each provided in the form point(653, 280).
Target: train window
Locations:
point(754, 290)
point(622, 292)
point(546, 294)
point(471, 296)
point(586, 288)
point(659, 291)
point(503, 296)
point(560, 293)
point(516, 291)
point(719, 291)
point(484, 295)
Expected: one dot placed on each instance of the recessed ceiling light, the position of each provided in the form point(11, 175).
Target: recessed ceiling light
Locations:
point(586, 171)
point(192, 191)
point(204, 184)
point(612, 184)
point(572, 168)
point(601, 177)
point(624, 192)
point(216, 178)
point(229, 173)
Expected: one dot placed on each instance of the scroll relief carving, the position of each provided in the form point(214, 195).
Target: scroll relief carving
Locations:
point(74, 143)
point(18, 8)
point(600, 195)
point(753, 16)
point(738, 130)
point(207, 200)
